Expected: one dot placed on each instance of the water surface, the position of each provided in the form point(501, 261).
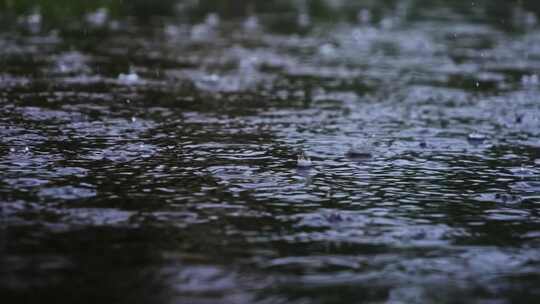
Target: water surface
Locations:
point(154, 161)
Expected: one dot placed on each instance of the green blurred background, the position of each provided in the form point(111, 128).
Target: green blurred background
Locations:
point(58, 11)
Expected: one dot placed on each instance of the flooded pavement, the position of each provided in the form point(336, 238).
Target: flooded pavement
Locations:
point(155, 161)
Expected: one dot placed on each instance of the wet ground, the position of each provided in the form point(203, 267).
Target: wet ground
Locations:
point(157, 162)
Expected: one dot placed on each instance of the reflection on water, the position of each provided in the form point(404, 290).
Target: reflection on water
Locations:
point(156, 161)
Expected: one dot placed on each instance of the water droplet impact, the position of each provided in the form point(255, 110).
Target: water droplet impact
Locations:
point(251, 24)
point(364, 16)
point(530, 80)
point(128, 79)
point(361, 149)
point(304, 161)
point(476, 137)
point(98, 18)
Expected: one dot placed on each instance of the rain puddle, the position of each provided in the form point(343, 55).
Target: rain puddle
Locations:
point(149, 152)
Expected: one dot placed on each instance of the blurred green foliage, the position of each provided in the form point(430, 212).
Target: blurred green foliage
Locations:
point(58, 11)
point(57, 8)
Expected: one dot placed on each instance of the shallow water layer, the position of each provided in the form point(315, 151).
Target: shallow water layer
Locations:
point(156, 162)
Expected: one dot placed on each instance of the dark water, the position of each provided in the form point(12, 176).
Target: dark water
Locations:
point(154, 161)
